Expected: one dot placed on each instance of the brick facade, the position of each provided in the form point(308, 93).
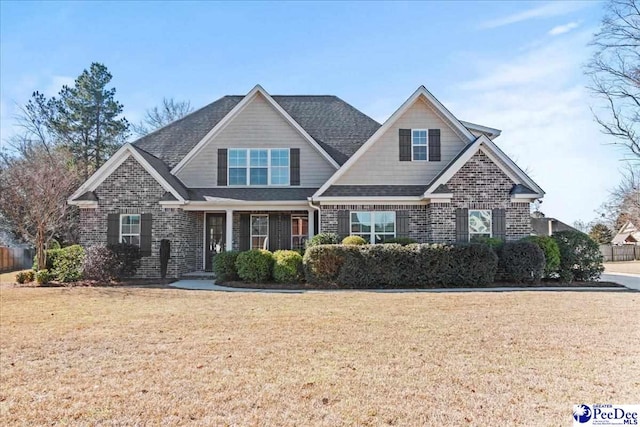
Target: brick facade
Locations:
point(130, 189)
point(479, 184)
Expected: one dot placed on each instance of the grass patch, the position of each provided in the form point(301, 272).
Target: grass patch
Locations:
point(129, 356)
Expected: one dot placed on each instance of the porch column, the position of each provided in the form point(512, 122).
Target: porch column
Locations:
point(229, 232)
point(310, 221)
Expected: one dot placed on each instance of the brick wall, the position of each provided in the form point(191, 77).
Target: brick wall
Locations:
point(130, 189)
point(479, 184)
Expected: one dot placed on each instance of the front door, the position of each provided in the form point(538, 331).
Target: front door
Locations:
point(215, 237)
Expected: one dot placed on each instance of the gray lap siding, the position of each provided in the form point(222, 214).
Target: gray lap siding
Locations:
point(130, 189)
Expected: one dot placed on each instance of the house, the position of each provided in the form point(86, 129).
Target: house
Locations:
point(270, 171)
point(627, 235)
point(545, 226)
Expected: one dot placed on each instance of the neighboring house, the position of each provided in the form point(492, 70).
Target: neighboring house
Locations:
point(543, 226)
point(627, 235)
point(270, 171)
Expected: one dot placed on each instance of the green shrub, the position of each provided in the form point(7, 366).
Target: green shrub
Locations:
point(128, 257)
point(404, 241)
point(354, 240)
point(393, 265)
point(52, 255)
point(287, 266)
point(100, 264)
point(29, 276)
point(580, 257)
point(43, 277)
point(224, 266)
point(53, 244)
point(21, 277)
point(322, 264)
point(551, 253)
point(255, 266)
point(521, 262)
point(493, 242)
point(67, 263)
point(323, 239)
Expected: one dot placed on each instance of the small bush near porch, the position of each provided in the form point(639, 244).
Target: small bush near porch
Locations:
point(127, 356)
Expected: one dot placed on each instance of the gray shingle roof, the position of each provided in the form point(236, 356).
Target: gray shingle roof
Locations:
point(540, 226)
point(521, 189)
point(373, 190)
point(253, 194)
point(88, 196)
point(339, 128)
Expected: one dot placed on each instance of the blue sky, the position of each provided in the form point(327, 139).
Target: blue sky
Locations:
point(516, 66)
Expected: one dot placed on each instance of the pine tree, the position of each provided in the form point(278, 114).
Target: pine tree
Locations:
point(601, 234)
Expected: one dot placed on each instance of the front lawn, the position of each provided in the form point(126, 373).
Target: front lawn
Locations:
point(129, 356)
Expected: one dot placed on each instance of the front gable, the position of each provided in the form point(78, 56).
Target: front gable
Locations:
point(381, 162)
point(257, 125)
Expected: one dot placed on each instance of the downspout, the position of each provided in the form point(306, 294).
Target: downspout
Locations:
point(310, 201)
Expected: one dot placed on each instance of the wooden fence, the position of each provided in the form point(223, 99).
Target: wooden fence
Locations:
point(620, 253)
point(13, 259)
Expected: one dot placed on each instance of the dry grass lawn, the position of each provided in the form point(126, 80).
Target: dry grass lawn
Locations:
point(627, 267)
point(113, 356)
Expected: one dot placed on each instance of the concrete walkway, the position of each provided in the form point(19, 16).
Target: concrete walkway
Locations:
point(631, 281)
point(209, 285)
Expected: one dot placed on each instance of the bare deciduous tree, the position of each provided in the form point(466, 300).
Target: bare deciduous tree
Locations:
point(615, 73)
point(624, 203)
point(157, 117)
point(33, 195)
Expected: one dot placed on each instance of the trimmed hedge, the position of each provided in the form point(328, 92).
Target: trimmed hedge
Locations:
point(224, 266)
point(323, 239)
point(287, 267)
point(551, 253)
point(129, 259)
point(255, 266)
point(393, 265)
point(67, 263)
point(404, 241)
point(521, 262)
point(494, 243)
point(101, 264)
point(354, 240)
point(580, 256)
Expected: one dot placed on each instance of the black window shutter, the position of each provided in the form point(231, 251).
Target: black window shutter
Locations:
point(113, 229)
point(402, 223)
point(499, 223)
point(294, 166)
point(285, 231)
point(274, 226)
point(404, 136)
point(434, 145)
point(245, 232)
point(222, 167)
point(145, 234)
point(343, 223)
point(462, 225)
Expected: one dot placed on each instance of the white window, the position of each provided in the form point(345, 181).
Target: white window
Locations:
point(419, 144)
point(259, 230)
point(479, 223)
point(299, 231)
point(130, 229)
point(258, 166)
point(374, 227)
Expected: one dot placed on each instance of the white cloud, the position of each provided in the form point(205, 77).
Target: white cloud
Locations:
point(539, 101)
point(546, 10)
point(562, 29)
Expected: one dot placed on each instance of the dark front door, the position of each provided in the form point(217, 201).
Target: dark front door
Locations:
point(215, 237)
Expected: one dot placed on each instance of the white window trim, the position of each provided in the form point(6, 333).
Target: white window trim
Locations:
point(251, 235)
point(298, 217)
point(372, 233)
point(427, 146)
point(248, 167)
point(130, 234)
point(490, 223)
